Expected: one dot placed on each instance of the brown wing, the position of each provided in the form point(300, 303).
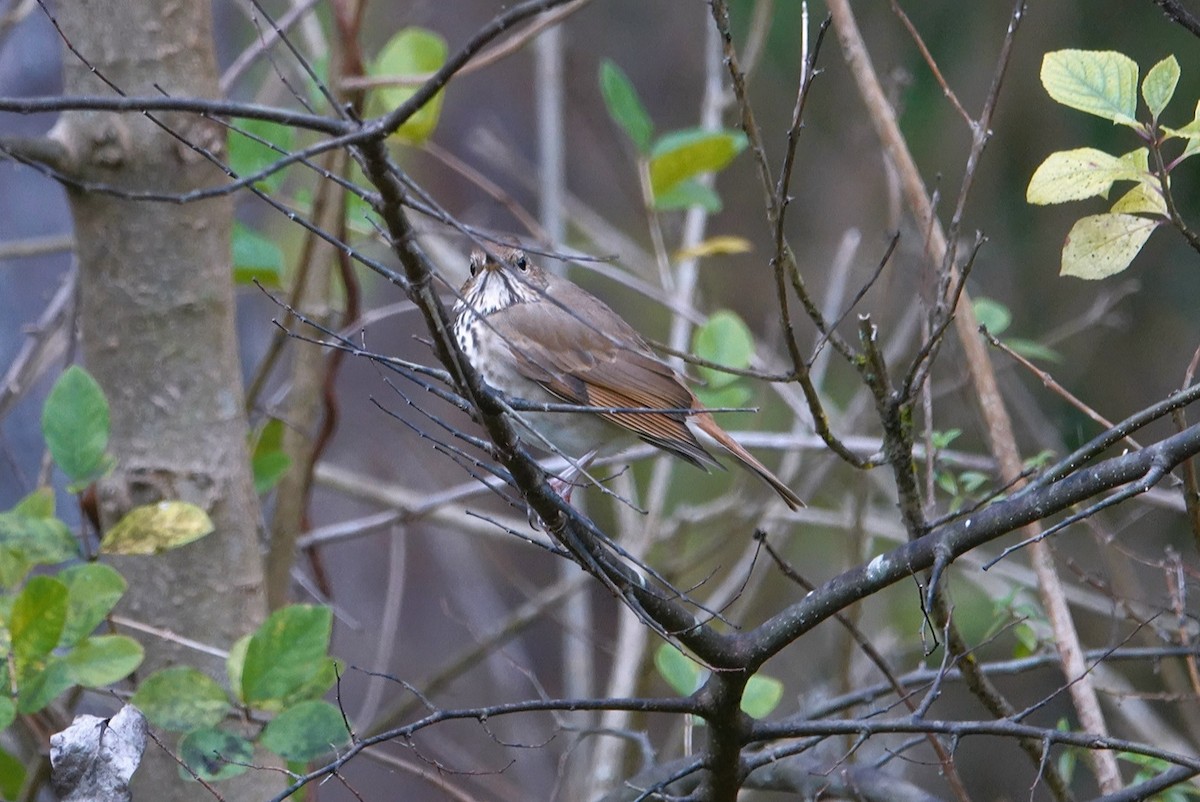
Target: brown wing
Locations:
point(552, 346)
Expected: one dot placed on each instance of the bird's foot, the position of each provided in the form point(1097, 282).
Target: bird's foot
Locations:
point(564, 484)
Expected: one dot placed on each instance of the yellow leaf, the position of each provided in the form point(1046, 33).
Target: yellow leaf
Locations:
point(153, 528)
point(1142, 199)
point(1104, 244)
point(412, 52)
point(1191, 132)
point(714, 246)
point(1068, 175)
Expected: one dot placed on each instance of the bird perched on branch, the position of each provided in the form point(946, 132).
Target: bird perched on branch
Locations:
point(539, 337)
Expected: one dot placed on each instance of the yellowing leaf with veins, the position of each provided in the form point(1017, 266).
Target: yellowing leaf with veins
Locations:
point(153, 528)
point(1159, 85)
point(1100, 82)
point(1104, 244)
point(1142, 199)
point(1068, 175)
point(1191, 132)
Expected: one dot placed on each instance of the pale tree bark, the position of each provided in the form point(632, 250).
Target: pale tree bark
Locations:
point(157, 319)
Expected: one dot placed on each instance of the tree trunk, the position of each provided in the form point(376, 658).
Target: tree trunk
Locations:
point(157, 318)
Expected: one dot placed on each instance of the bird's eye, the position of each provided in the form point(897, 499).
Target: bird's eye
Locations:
point(522, 264)
point(474, 268)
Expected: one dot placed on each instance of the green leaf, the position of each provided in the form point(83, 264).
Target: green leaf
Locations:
point(1104, 244)
point(75, 423)
point(970, 481)
point(1033, 350)
point(1068, 175)
point(1027, 641)
point(181, 698)
point(14, 564)
point(28, 540)
point(411, 52)
point(731, 396)
point(39, 504)
point(624, 105)
point(93, 589)
point(44, 686)
point(318, 684)
point(254, 145)
point(305, 731)
point(103, 660)
point(761, 696)
point(268, 461)
point(687, 194)
point(8, 712)
point(1103, 83)
point(94, 663)
point(269, 436)
point(680, 671)
point(5, 642)
point(992, 314)
point(1144, 198)
point(943, 439)
point(726, 340)
point(359, 213)
point(234, 663)
point(1040, 460)
point(286, 652)
point(268, 469)
point(681, 155)
point(214, 754)
point(12, 775)
point(1159, 85)
point(1066, 764)
point(155, 528)
point(255, 258)
point(36, 623)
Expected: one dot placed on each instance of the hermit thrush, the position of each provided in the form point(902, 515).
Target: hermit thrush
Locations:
point(540, 338)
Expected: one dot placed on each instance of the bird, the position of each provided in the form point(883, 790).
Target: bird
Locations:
point(541, 338)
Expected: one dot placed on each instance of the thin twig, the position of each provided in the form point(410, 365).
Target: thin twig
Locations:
point(931, 63)
point(1048, 381)
point(988, 397)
